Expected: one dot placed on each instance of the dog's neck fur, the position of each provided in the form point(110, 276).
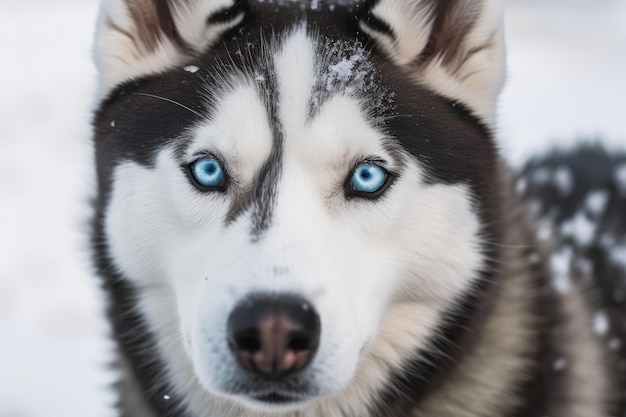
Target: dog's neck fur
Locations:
point(508, 368)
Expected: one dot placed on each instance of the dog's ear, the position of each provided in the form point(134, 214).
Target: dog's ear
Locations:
point(453, 46)
point(140, 37)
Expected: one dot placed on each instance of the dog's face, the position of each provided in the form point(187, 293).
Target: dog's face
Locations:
point(291, 191)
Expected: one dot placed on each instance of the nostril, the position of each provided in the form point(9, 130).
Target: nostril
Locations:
point(299, 342)
point(246, 341)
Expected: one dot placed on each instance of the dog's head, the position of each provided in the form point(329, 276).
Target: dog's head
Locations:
point(292, 196)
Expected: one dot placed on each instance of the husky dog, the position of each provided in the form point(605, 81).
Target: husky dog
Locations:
point(301, 211)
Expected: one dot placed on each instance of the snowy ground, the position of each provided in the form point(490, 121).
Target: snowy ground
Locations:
point(567, 80)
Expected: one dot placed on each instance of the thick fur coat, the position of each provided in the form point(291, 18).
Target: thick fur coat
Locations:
point(329, 170)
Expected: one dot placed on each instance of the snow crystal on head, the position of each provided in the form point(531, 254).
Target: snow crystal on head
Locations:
point(342, 71)
point(345, 69)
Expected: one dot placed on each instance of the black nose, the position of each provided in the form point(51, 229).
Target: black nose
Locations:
point(274, 335)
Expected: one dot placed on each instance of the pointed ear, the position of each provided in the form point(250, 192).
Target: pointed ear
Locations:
point(140, 37)
point(455, 47)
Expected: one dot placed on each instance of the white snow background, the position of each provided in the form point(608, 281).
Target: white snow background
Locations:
point(567, 81)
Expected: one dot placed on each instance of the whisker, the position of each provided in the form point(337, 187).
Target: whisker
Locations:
point(170, 101)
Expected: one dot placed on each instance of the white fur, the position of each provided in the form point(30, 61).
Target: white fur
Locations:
point(379, 273)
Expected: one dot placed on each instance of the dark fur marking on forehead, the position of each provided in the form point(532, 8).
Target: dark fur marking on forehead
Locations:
point(265, 191)
point(243, 65)
point(261, 198)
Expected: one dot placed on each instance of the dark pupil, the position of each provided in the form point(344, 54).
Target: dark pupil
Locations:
point(366, 174)
point(210, 169)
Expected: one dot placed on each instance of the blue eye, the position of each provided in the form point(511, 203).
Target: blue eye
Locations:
point(369, 178)
point(208, 172)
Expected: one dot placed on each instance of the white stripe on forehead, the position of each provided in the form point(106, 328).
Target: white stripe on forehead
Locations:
point(294, 65)
point(327, 111)
point(310, 70)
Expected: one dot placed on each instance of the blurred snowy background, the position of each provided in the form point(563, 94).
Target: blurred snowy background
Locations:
point(567, 81)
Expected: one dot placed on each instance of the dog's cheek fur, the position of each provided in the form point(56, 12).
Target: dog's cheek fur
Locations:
point(427, 279)
point(134, 214)
point(437, 243)
point(164, 238)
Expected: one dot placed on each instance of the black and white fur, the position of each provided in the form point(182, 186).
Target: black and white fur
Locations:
point(435, 298)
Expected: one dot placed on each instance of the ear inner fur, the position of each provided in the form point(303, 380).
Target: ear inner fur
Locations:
point(453, 20)
point(452, 47)
point(147, 19)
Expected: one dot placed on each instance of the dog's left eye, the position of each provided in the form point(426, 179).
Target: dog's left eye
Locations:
point(207, 173)
point(369, 179)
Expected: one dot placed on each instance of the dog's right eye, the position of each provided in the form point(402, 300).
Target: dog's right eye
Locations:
point(207, 174)
point(368, 180)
